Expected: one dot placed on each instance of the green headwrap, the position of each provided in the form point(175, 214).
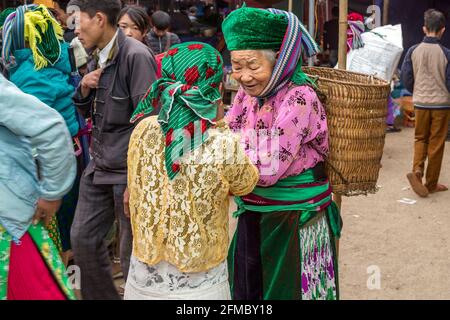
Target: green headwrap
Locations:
point(34, 27)
point(254, 29)
point(4, 14)
point(187, 94)
point(257, 29)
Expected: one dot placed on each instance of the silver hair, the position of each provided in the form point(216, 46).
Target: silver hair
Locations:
point(270, 55)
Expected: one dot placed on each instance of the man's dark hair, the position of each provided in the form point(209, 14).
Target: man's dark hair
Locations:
point(434, 20)
point(335, 12)
point(111, 8)
point(193, 10)
point(161, 20)
point(138, 16)
point(62, 4)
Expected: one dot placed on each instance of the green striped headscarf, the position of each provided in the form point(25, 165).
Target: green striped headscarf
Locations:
point(4, 14)
point(187, 93)
point(33, 26)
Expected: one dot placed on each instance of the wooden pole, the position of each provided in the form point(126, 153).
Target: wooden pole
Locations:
point(386, 12)
point(342, 64)
point(343, 25)
point(290, 5)
point(311, 26)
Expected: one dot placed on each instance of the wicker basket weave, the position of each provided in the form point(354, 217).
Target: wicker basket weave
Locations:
point(356, 107)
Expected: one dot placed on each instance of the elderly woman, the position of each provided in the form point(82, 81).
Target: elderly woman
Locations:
point(284, 246)
point(182, 166)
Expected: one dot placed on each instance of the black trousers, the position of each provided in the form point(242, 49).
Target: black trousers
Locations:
point(98, 207)
point(248, 277)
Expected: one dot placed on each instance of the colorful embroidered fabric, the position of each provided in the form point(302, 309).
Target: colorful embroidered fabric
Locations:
point(48, 252)
point(295, 263)
point(318, 264)
point(53, 232)
point(301, 193)
point(35, 27)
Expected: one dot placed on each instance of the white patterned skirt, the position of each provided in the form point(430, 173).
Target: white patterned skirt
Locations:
point(164, 281)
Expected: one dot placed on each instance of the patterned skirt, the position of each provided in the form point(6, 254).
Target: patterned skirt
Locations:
point(59, 227)
point(32, 268)
point(164, 281)
point(272, 258)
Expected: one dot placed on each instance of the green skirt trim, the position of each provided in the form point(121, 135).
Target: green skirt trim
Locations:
point(49, 253)
point(298, 261)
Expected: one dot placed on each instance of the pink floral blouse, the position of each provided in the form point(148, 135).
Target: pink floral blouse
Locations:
point(285, 136)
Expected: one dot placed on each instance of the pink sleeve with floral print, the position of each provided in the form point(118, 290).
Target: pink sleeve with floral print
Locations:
point(236, 109)
point(285, 136)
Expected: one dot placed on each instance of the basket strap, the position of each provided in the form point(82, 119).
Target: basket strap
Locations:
point(337, 172)
point(325, 158)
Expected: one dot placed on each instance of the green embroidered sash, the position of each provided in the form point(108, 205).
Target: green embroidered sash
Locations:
point(297, 193)
point(285, 208)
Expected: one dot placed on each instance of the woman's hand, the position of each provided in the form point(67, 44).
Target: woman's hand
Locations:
point(45, 211)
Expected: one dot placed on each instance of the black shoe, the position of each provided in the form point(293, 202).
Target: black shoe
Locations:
point(392, 129)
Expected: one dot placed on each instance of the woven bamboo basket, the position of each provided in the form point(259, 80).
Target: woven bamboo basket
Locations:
point(356, 106)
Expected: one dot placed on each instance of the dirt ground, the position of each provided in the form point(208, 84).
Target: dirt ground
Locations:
point(409, 243)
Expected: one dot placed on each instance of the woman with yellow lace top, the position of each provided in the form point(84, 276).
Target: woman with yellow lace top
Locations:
point(182, 167)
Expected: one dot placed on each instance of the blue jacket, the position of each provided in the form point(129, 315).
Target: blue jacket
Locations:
point(24, 132)
point(50, 84)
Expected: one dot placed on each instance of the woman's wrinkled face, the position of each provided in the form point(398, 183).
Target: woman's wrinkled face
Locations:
point(252, 69)
point(130, 28)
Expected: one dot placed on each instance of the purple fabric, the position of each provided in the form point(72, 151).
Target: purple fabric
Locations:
point(390, 117)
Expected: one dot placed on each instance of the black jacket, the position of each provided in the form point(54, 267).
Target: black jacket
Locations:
point(125, 80)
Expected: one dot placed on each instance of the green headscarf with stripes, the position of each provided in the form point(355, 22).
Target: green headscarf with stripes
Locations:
point(4, 14)
point(34, 27)
point(187, 93)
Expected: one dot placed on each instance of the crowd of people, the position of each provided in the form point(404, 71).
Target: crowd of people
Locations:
point(120, 121)
point(151, 148)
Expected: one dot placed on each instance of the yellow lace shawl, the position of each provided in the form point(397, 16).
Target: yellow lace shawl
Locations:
point(184, 221)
